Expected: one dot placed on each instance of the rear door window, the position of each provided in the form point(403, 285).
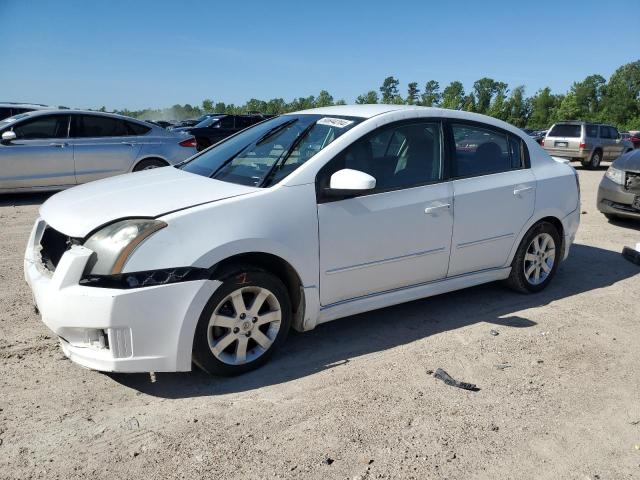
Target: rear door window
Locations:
point(137, 129)
point(480, 151)
point(54, 126)
point(93, 126)
point(604, 131)
point(592, 131)
point(227, 122)
point(566, 130)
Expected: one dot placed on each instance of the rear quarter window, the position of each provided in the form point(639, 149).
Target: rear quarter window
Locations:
point(566, 130)
point(592, 131)
point(137, 129)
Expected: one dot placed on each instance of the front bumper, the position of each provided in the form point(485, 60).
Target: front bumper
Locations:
point(613, 199)
point(134, 330)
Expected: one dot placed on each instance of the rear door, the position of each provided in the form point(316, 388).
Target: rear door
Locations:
point(617, 143)
point(103, 146)
point(494, 195)
point(40, 156)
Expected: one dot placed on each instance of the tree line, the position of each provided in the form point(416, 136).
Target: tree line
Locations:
point(615, 101)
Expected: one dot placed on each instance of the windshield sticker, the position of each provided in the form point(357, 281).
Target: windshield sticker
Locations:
point(334, 122)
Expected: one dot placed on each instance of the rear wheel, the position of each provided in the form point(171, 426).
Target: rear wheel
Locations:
point(246, 319)
point(594, 161)
point(149, 164)
point(536, 260)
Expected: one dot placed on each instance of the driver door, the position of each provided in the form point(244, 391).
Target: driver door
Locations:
point(397, 235)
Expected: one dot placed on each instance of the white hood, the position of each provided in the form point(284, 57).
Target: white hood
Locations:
point(80, 210)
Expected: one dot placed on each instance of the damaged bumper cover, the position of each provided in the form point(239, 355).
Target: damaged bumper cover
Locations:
point(121, 327)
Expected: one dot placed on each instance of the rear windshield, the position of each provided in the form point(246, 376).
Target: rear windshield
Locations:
point(564, 130)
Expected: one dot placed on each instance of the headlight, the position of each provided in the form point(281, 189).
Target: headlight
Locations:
point(615, 175)
point(114, 243)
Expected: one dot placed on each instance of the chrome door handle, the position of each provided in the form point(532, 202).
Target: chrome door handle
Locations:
point(434, 209)
point(59, 145)
point(519, 191)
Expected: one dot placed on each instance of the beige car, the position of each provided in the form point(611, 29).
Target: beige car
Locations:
point(590, 143)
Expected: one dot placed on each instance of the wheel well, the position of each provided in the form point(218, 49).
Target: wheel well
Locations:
point(149, 158)
point(558, 224)
point(270, 263)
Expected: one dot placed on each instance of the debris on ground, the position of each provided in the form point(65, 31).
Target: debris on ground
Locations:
point(502, 366)
point(631, 254)
point(495, 333)
point(328, 461)
point(446, 378)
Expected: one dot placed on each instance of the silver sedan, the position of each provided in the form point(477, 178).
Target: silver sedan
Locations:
point(57, 149)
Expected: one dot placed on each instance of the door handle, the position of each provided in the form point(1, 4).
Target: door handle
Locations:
point(59, 145)
point(435, 208)
point(519, 191)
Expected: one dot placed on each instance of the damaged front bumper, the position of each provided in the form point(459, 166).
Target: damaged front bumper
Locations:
point(620, 200)
point(118, 330)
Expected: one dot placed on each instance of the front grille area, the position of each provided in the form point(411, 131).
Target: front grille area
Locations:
point(53, 244)
point(632, 182)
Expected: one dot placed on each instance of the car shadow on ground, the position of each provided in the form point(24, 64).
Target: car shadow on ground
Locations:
point(18, 199)
point(333, 344)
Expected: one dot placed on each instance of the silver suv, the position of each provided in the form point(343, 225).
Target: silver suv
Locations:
point(590, 143)
point(56, 149)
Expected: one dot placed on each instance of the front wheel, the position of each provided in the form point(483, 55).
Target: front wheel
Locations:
point(245, 320)
point(536, 261)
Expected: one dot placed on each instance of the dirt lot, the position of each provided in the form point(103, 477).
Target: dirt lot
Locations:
point(353, 398)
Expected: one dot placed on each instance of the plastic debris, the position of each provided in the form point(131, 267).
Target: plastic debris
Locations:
point(446, 378)
point(632, 254)
point(494, 333)
point(502, 366)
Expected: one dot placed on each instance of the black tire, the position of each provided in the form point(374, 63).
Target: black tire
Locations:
point(611, 217)
point(518, 280)
point(149, 163)
point(594, 161)
point(244, 278)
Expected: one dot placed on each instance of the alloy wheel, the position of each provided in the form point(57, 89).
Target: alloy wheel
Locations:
point(539, 258)
point(244, 325)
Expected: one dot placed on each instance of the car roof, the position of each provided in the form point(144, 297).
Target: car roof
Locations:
point(66, 111)
point(370, 111)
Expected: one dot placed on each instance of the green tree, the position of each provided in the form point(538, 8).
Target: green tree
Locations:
point(370, 97)
point(484, 90)
point(517, 108)
point(567, 109)
point(207, 105)
point(324, 99)
point(453, 96)
point(542, 105)
point(389, 90)
point(498, 106)
point(589, 94)
point(431, 95)
point(621, 99)
point(220, 107)
point(412, 93)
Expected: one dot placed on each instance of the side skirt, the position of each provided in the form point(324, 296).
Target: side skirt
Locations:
point(393, 297)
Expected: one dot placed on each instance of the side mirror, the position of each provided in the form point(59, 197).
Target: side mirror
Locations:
point(348, 182)
point(8, 137)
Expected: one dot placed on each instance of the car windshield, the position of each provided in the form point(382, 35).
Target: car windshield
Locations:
point(208, 122)
point(264, 154)
point(565, 130)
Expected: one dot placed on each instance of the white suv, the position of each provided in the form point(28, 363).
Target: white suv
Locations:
point(296, 221)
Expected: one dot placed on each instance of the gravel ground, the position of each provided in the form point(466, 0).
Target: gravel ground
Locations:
point(353, 398)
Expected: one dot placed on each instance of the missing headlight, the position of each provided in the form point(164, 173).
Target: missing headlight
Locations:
point(149, 278)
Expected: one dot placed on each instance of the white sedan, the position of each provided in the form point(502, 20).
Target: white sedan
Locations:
point(296, 221)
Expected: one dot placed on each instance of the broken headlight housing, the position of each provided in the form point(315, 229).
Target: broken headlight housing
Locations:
point(114, 244)
point(615, 175)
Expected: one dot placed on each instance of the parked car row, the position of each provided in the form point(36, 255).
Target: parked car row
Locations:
point(9, 109)
point(51, 149)
point(217, 127)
